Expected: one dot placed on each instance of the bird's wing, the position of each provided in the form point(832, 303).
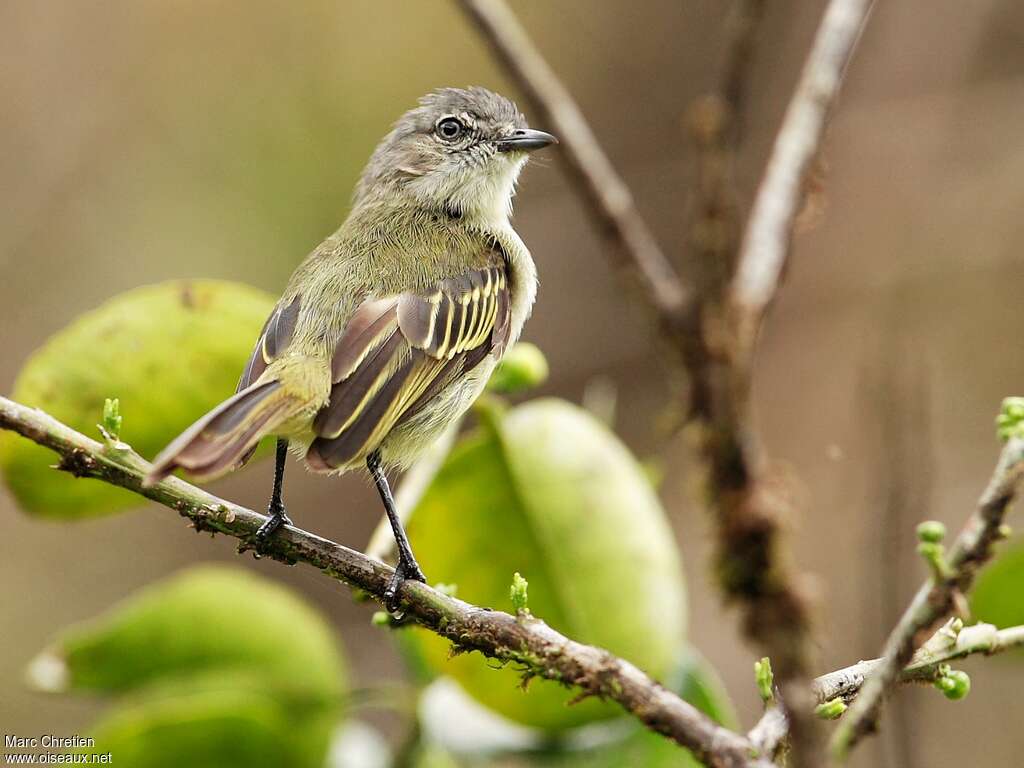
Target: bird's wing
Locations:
point(274, 339)
point(398, 352)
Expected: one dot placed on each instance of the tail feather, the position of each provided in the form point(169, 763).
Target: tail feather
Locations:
point(225, 436)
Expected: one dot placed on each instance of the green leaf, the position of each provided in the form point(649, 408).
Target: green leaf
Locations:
point(212, 728)
point(167, 353)
point(996, 597)
point(203, 624)
point(546, 490)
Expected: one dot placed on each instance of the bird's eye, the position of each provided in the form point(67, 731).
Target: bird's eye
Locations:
point(450, 129)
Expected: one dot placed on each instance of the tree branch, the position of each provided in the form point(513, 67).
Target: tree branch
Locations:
point(529, 642)
point(748, 501)
point(766, 244)
point(944, 647)
point(610, 200)
point(936, 599)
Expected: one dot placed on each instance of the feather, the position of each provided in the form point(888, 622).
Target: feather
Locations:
point(273, 340)
point(223, 436)
point(399, 353)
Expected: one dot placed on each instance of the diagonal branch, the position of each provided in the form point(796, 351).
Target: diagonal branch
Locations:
point(936, 599)
point(766, 243)
point(526, 641)
point(610, 200)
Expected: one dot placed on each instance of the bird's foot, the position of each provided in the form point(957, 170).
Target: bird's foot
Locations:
point(278, 517)
point(406, 569)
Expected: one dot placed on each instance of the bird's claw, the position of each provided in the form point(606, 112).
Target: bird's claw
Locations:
point(403, 571)
point(278, 517)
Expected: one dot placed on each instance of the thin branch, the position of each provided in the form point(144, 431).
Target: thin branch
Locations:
point(944, 647)
point(750, 500)
point(936, 599)
point(766, 243)
point(542, 651)
point(610, 200)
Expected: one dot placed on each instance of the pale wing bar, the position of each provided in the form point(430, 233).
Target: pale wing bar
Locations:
point(398, 353)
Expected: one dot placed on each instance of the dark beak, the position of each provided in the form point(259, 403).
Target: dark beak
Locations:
point(524, 140)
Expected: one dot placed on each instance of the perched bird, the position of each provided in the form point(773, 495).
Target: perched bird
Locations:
point(389, 329)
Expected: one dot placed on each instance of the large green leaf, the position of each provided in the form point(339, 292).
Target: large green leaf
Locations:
point(169, 352)
point(205, 623)
point(998, 596)
point(219, 667)
point(548, 491)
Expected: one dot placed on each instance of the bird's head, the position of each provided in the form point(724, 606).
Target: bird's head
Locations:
point(460, 150)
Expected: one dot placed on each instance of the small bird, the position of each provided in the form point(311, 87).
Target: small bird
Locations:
point(390, 328)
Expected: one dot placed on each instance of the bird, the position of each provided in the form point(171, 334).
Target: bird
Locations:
point(389, 329)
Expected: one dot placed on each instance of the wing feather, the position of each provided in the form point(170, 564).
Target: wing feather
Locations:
point(273, 340)
point(399, 352)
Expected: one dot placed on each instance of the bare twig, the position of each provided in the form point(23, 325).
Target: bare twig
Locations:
point(846, 683)
point(542, 651)
point(766, 243)
point(611, 201)
point(935, 599)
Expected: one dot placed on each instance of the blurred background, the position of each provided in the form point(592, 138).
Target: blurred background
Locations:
point(146, 141)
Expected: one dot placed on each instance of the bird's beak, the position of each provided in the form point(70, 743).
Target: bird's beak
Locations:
point(524, 140)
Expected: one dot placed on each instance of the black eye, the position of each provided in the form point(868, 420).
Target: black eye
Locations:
point(450, 129)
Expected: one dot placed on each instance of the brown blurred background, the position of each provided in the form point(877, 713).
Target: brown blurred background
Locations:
point(145, 141)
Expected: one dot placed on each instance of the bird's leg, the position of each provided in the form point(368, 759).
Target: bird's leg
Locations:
point(276, 507)
point(407, 567)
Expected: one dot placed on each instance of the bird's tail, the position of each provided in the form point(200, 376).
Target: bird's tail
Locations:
point(227, 435)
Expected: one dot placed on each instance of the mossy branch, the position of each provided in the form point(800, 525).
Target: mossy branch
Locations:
point(522, 639)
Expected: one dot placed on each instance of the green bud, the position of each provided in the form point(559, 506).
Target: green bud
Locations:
point(1010, 421)
point(831, 709)
point(380, 619)
point(931, 531)
point(955, 685)
point(112, 419)
point(935, 555)
point(1004, 531)
point(523, 367)
point(765, 679)
point(519, 595)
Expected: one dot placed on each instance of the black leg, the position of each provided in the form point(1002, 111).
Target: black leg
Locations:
point(407, 567)
point(278, 517)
